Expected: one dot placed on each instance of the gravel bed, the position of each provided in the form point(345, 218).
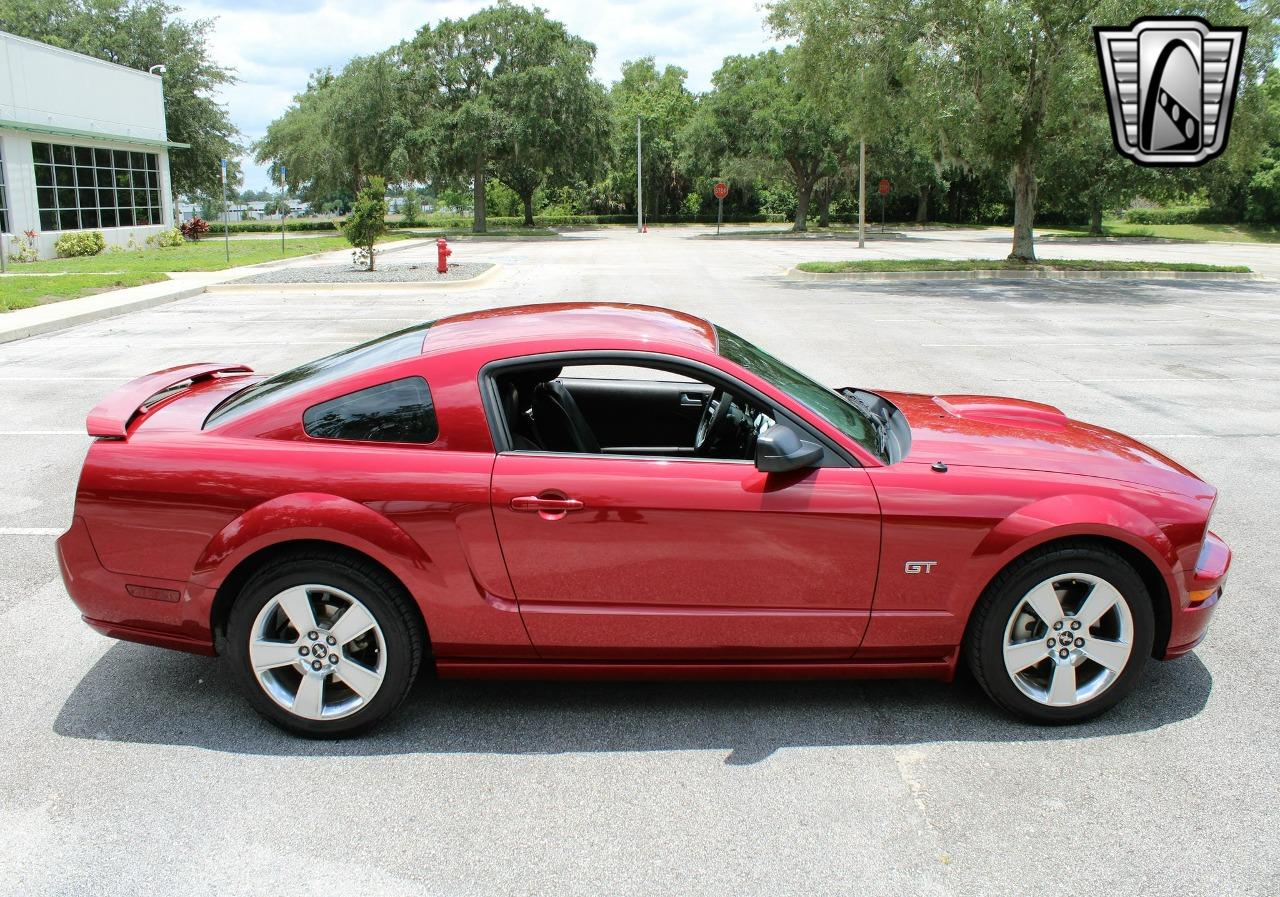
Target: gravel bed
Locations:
point(424, 273)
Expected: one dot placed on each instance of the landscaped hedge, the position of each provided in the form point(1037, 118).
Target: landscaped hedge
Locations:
point(1180, 215)
point(464, 222)
point(273, 227)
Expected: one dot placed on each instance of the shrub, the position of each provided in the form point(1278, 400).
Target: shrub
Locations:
point(367, 221)
point(23, 247)
point(83, 242)
point(194, 229)
point(1179, 215)
point(167, 239)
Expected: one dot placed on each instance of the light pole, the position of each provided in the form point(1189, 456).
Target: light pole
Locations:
point(639, 184)
point(862, 193)
point(283, 204)
point(226, 219)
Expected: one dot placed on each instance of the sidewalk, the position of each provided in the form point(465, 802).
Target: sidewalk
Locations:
point(54, 316)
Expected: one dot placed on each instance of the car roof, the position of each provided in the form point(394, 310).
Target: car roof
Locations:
point(570, 322)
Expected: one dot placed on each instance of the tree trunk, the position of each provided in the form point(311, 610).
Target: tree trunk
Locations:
point(527, 199)
point(1024, 209)
point(803, 196)
point(478, 193)
point(824, 207)
point(922, 204)
point(953, 202)
point(1095, 219)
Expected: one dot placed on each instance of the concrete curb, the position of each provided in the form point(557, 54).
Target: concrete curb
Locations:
point(232, 287)
point(86, 311)
point(55, 316)
point(885, 276)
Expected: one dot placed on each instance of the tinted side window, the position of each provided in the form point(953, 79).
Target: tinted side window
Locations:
point(399, 411)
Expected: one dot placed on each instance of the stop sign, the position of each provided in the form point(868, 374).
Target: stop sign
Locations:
point(884, 186)
point(721, 190)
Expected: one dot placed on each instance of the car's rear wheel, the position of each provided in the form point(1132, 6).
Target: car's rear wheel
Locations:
point(324, 645)
point(1063, 634)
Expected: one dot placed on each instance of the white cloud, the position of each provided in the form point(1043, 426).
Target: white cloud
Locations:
point(274, 46)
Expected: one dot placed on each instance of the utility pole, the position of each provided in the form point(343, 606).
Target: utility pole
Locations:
point(283, 204)
point(226, 218)
point(862, 193)
point(639, 184)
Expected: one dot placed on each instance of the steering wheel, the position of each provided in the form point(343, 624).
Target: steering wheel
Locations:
point(712, 420)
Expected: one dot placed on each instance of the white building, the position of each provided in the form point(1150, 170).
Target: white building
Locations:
point(82, 146)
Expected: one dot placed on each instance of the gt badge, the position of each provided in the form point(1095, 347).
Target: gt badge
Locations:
point(1171, 85)
point(920, 566)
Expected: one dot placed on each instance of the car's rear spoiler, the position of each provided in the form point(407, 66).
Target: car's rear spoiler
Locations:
point(112, 416)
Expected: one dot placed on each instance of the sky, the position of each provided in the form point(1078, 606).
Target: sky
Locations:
point(274, 46)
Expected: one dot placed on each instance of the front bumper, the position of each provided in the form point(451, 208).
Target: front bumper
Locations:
point(133, 608)
point(1200, 598)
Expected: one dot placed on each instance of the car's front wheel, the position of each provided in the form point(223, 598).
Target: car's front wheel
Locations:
point(1063, 634)
point(324, 645)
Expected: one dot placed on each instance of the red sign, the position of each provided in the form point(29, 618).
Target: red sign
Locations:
point(721, 190)
point(884, 186)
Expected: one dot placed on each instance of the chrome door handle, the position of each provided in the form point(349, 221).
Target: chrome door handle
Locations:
point(552, 505)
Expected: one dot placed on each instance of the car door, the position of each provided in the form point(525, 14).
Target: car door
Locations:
point(639, 558)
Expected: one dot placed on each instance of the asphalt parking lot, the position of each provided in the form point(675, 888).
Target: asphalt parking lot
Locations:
point(126, 769)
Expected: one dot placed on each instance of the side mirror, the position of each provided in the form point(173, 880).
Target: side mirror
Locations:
point(781, 449)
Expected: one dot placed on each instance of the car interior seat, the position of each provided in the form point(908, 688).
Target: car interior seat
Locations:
point(558, 424)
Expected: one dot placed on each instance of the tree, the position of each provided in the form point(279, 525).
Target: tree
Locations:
point(994, 86)
point(553, 113)
point(411, 207)
point(762, 112)
point(664, 106)
point(505, 92)
point(368, 220)
point(340, 131)
point(140, 34)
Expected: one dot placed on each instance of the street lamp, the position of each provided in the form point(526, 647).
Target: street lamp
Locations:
point(157, 69)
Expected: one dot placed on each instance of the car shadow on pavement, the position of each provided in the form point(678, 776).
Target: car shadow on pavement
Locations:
point(150, 696)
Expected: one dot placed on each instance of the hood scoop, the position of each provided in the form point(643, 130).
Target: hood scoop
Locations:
point(1001, 411)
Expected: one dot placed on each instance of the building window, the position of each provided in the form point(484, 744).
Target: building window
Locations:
point(83, 188)
point(4, 200)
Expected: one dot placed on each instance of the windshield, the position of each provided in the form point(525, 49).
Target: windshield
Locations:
point(843, 415)
point(393, 347)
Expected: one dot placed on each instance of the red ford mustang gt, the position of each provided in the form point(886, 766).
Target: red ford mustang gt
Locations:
point(589, 490)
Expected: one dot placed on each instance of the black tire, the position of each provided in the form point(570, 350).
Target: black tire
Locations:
point(384, 598)
point(985, 639)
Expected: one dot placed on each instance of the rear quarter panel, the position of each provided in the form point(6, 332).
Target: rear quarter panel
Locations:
point(179, 503)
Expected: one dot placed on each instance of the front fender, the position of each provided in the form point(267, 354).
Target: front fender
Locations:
point(313, 516)
point(1067, 516)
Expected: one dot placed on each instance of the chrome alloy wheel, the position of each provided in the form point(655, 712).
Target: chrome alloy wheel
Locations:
point(1068, 639)
point(317, 652)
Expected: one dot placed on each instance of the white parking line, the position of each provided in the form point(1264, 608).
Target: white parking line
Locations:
point(30, 531)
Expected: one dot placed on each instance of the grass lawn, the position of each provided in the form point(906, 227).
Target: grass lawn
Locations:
point(1210, 233)
point(57, 279)
point(870, 265)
